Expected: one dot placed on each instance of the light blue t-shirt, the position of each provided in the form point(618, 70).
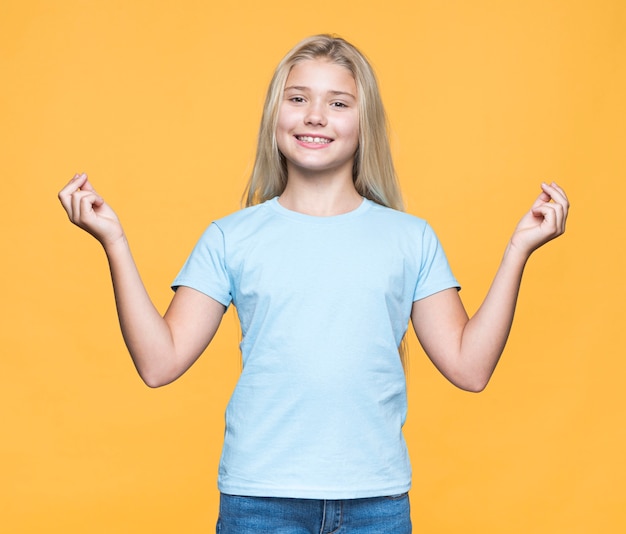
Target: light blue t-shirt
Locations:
point(323, 304)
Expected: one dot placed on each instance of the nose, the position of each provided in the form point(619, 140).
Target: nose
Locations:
point(315, 114)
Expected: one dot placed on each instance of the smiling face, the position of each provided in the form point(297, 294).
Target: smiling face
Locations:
point(318, 119)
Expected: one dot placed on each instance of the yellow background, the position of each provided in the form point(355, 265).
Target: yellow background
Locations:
point(159, 102)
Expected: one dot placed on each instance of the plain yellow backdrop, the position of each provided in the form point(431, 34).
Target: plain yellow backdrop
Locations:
point(159, 102)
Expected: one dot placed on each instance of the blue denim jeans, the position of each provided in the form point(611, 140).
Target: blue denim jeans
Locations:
point(253, 515)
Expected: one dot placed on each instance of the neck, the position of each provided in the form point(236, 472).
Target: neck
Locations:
point(321, 196)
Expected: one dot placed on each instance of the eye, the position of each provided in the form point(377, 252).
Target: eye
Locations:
point(296, 99)
point(339, 105)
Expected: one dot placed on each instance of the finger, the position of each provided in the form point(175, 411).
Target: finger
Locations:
point(72, 186)
point(553, 219)
point(559, 199)
point(78, 180)
point(559, 189)
point(556, 193)
point(87, 186)
point(547, 215)
point(74, 212)
point(563, 201)
point(82, 205)
point(543, 198)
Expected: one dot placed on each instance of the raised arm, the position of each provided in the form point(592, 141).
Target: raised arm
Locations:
point(465, 350)
point(162, 348)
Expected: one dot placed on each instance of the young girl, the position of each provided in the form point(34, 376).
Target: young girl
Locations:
point(325, 271)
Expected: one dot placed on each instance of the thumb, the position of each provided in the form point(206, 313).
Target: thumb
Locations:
point(88, 186)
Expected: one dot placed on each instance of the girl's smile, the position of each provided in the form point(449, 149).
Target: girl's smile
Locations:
point(318, 120)
point(314, 140)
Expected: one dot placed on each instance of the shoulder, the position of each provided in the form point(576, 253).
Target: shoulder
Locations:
point(242, 223)
point(403, 221)
point(413, 234)
point(244, 216)
point(243, 220)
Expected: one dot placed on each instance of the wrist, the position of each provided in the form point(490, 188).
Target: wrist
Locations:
point(516, 255)
point(116, 245)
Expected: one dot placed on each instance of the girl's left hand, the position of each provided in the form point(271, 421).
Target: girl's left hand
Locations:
point(545, 220)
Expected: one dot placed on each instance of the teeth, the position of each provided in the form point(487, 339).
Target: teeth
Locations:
point(309, 139)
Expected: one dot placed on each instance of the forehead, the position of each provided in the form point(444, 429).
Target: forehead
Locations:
point(321, 74)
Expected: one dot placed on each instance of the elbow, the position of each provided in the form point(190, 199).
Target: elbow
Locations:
point(154, 378)
point(472, 384)
point(155, 370)
point(474, 387)
point(153, 383)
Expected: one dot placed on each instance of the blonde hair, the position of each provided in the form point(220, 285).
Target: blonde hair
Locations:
point(373, 172)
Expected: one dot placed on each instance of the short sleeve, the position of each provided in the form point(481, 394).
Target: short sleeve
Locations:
point(434, 271)
point(205, 269)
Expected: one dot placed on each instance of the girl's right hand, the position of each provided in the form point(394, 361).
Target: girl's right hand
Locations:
point(88, 210)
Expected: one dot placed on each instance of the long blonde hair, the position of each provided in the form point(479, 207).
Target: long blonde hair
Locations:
point(373, 172)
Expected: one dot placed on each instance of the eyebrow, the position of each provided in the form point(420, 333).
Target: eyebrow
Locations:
point(304, 88)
